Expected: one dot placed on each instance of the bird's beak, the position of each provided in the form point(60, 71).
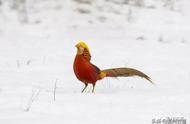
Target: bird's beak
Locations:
point(76, 46)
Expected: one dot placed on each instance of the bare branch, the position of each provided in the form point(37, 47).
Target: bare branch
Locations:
point(55, 87)
point(35, 94)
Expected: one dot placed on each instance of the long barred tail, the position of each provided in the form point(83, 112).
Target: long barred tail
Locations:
point(125, 72)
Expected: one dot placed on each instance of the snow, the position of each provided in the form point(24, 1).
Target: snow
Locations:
point(34, 54)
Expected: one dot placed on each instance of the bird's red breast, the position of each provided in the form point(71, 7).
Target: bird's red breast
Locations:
point(84, 70)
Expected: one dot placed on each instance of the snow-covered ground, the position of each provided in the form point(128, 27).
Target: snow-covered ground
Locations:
point(37, 54)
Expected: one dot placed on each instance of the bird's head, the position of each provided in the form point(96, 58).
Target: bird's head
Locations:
point(81, 46)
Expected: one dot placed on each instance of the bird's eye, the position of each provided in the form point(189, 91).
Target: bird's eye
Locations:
point(80, 50)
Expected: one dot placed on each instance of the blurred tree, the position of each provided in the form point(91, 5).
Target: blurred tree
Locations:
point(21, 7)
point(170, 4)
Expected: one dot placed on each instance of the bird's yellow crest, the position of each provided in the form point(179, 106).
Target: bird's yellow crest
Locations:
point(83, 45)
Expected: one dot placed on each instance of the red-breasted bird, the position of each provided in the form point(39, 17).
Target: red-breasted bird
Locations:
point(89, 73)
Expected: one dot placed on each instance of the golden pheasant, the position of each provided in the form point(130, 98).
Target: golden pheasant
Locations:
point(88, 73)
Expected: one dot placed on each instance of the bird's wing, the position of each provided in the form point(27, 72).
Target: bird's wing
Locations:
point(97, 69)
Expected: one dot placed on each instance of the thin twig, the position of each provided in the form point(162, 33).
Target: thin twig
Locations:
point(55, 87)
point(32, 98)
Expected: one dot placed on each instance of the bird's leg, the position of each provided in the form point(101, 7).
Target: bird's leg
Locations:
point(93, 88)
point(84, 87)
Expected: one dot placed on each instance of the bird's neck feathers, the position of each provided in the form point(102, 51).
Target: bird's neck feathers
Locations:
point(85, 54)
